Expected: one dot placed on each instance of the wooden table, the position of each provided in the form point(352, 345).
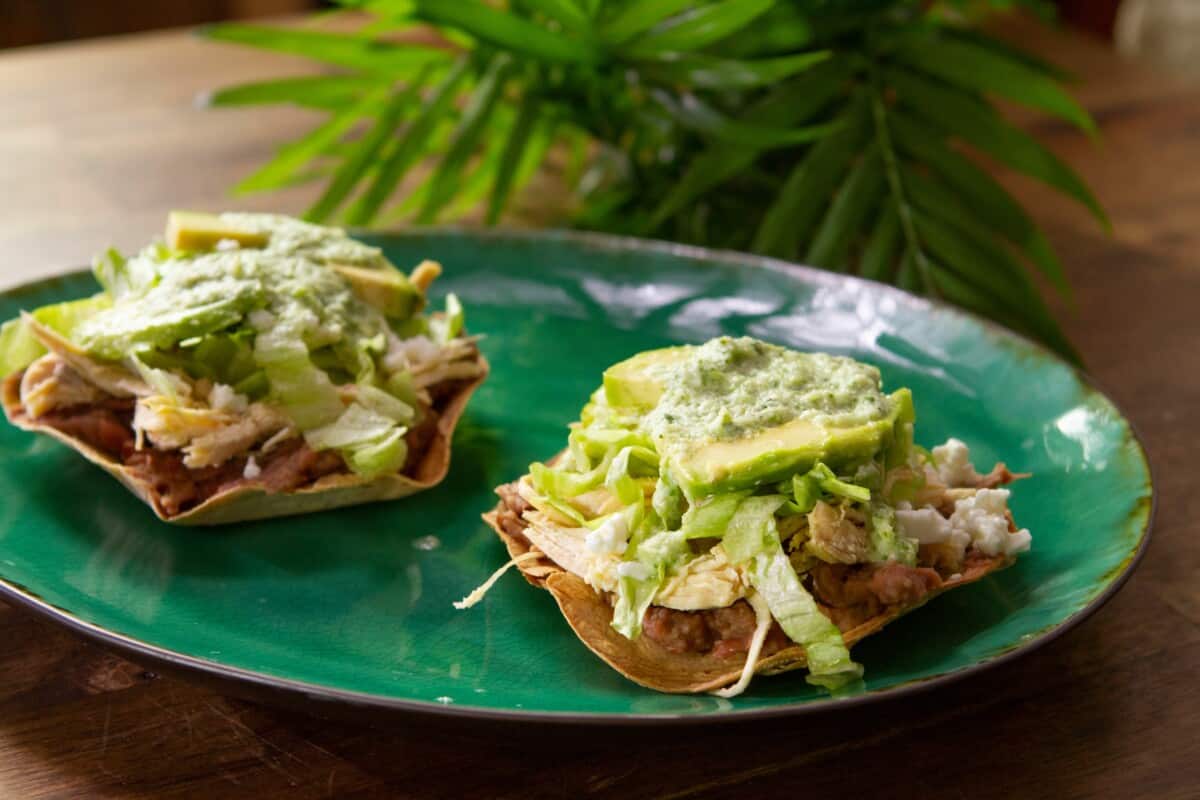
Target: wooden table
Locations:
point(98, 140)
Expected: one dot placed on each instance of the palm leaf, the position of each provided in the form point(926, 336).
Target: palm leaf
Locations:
point(857, 198)
point(506, 30)
point(977, 260)
point(883, 247)
point(694, 114)
point(975, 68)
point(795, 102)
point(980, 126)
point(293, 157)
point(408, 148)
point(514, 149)
point(342, 50)
point(1003, 48)
point(844, 132)
point(805, 193)
point(565, 12)
point(363, 155)
point(698, 27)
point(980, 192)
point(330, 92)
point(465, 139)
point(639, 17)
point(709, 72)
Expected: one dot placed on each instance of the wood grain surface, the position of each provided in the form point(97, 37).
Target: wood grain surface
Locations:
point(99, 139)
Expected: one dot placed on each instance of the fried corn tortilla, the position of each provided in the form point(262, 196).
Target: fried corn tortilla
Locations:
point(647, 663)
point(251, 366)
point(738, 508)
point(248, 500)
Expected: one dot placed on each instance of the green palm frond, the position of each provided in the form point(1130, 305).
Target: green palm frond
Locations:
point(845, 133)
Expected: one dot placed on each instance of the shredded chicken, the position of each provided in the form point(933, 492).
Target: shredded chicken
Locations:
point(431, 363)
point(259, 422)
point(171, 423)
point(114, 379)
point(446, 371)
point(835, 537)
point(50, 383)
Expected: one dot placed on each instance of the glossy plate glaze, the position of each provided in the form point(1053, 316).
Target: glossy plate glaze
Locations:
point(353, 607)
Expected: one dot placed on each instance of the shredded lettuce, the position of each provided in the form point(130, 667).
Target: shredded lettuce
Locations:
point(829, 663)
point(401, 386)
point(380, 456)
point(561, 483)
point(304, 391)
point(19, 347)
point(357, 425)
point(162, 381)
point(388, 405)
point(808, 488)
point(711, 517)
point(899, 450)
point(450, 324)
point(620, 480)
point(750, 527)
point(654, 556)
point(224, 357)
point(121, 276)
point(372, 443)
point(753, 539)
point(667, 502)
point(587, 444)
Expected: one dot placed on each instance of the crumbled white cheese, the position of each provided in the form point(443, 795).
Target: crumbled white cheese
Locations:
point(925, 525)
point(261, 320)
point(954, 463)
point(225, 245)
point(611, 537)
point(633, 569)
point(983, 517)
point(223, 398)
point(252, 470)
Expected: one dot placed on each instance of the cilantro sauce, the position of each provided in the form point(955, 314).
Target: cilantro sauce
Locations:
point(731, 388)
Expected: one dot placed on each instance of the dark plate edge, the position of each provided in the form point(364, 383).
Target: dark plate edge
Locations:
point(276, 690)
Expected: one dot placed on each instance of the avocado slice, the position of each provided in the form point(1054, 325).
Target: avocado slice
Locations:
point(637, 382)
point(386, 289)
point(774, 454)
point(194, 230)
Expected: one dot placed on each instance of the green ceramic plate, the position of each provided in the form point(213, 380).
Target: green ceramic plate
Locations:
point(353, 607)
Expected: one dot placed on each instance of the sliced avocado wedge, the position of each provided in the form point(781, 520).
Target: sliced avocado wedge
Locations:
point(387, 289)
point(637, 383)
point(775, 453)
point(194, 230)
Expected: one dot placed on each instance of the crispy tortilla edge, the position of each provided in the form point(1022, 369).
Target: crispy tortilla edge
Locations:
point(647, 663)
point(249, 502)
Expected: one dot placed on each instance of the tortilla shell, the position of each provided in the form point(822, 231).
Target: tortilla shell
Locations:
point(248, 501)
point(648, 663)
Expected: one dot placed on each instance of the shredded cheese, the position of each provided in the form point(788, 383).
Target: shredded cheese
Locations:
point(764, 619)
point(477, 594)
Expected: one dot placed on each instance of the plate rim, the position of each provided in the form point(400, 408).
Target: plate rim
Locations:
point(234, 678)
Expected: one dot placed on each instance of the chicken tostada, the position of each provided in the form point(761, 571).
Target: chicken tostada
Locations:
point(250, 366)
point(737, 507)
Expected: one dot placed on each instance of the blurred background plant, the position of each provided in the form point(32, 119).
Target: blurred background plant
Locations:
point(855, 135)
point(840, 133)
